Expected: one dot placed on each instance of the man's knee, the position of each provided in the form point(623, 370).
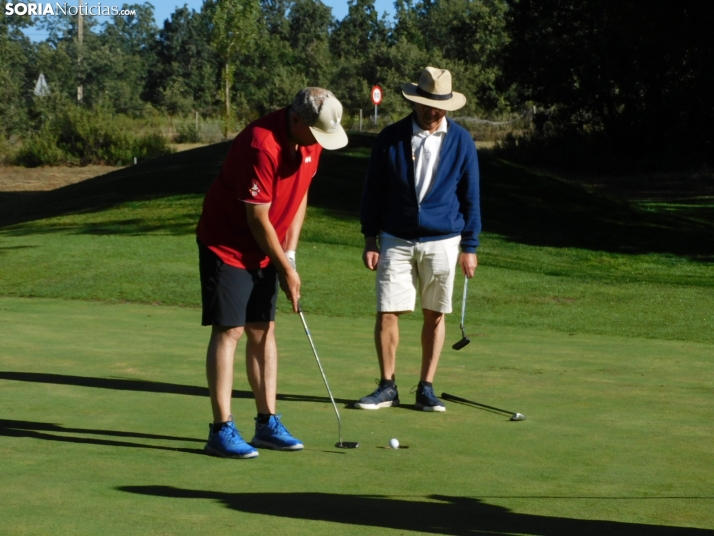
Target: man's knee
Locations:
point(259, 332)
point(232, 333)
point(388, 319)
point(433, 317)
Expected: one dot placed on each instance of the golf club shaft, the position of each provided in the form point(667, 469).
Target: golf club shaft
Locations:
point(447, 396)
point(463, 306)
point(324, 378)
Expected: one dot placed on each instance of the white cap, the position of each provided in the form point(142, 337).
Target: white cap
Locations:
point(322, 112)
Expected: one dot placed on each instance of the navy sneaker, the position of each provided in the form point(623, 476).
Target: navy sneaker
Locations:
point(273, 435)
point(383, 397)
point(228, 443)
point(426, 399)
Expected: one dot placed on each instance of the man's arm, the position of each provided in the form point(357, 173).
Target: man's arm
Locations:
point(293, 234)
point(370, 208)
point(264, 233)
point(468, 263)
point(469, 202)
point(370, 255)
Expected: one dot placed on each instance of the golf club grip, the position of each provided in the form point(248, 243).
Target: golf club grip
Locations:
point(463, 302)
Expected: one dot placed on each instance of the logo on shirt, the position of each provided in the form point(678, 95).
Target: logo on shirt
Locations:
point(254, 190)
point(308, 159)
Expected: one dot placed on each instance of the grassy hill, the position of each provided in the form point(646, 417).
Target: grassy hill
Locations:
point(554, 254)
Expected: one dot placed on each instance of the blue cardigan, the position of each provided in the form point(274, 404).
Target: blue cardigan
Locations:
point(450, 207)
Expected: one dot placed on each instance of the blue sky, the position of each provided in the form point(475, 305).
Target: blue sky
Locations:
point(164, 8)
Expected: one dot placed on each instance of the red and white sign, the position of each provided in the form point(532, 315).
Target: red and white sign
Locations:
point(376, 95)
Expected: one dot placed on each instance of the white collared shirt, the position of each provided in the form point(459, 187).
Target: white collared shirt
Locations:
point(425, 153)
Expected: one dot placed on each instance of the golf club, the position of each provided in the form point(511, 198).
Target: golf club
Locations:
point(464, 339)
point(514, 416)
point(340, 444)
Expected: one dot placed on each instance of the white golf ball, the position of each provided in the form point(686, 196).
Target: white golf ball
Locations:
point(394, 443)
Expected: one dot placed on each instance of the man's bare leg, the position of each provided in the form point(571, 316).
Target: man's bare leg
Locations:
point(261, 363)
point(386, 339)
point(219, 369)
point(432, 341)
point(261, 358)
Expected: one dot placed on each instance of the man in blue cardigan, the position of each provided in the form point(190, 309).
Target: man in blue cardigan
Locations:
point(420, 218)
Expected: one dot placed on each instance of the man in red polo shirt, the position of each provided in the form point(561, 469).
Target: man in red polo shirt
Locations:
point(247, 236)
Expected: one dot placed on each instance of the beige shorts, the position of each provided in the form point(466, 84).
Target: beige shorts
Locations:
point(404, 264)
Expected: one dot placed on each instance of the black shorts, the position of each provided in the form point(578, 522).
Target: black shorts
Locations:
point(235, 296)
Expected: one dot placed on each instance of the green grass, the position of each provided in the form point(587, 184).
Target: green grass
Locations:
point(105, 414)
point(144, 251)
point(591, 316)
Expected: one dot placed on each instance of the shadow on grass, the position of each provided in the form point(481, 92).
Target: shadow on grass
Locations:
point(39, 430)
point(123, 384)
point(520, 204)
point(436, 514)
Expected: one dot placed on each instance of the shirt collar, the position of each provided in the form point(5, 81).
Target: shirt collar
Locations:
point(417, 130)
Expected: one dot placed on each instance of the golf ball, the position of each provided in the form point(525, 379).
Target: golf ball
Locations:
point(394, 443)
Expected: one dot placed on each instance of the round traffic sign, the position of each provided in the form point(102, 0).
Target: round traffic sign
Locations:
point(376, 95)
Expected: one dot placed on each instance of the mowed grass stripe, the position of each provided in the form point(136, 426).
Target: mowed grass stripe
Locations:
point(105, 414)
point(655, 295)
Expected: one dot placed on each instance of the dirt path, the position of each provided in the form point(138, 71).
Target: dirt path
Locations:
point(22, 179)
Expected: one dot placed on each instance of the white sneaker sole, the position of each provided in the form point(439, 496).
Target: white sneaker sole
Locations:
point(388, 403)
point(215, 452)
point(257, 443)
point(430, 408)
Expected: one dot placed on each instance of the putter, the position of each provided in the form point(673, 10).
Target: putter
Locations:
point(514, 416)
point(464, 339)
point(340, 444)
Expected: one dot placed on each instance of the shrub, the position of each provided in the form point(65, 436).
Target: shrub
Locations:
point(75, 136)
point(39, 150)
point(187, 133)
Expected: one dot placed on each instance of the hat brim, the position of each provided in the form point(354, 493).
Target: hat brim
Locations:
point(456, 101)
point(330, 140)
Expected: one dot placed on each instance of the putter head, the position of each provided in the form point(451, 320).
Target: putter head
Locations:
point(518, 417)
point(460, 344)
point(347, 444)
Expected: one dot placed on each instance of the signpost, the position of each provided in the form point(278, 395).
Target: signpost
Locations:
point(376, 95)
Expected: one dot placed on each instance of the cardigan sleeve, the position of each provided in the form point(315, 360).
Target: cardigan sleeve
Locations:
point(370, 208)
point(468, 195)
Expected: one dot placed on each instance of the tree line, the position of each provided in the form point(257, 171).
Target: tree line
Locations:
point(613, 77)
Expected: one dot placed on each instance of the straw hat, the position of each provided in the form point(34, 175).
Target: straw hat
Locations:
point(434, 89)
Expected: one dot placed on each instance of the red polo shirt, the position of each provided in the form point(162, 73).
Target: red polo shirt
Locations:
point(259, 169)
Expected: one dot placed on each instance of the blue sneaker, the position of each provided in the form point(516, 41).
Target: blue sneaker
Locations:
point(426, 399)
point(383, 397)
point(228, 443)
point(273, 435)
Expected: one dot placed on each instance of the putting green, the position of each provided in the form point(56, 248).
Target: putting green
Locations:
point(104, 416)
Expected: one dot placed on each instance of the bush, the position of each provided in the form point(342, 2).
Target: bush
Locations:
point(75, 136)
point(187, 133)
point(39, 150)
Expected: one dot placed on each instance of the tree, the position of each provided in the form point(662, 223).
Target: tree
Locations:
point(309, 23)
point(185, 68)
point(637, 80)
point(233, 31)
point(354, 42)
point(15, 72)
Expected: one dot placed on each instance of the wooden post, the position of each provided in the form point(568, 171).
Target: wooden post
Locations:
point(80, 39)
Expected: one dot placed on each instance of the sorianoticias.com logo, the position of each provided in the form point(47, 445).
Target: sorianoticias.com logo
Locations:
point(48, 8)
